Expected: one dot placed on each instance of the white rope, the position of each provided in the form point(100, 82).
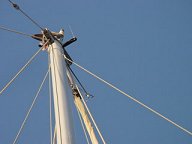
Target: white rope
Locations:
point(130, 97)
point(20, 71)
point(82, 125)
point(30, 109)
point(99, 132)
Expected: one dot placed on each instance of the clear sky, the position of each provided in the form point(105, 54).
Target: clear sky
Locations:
point(144, 47)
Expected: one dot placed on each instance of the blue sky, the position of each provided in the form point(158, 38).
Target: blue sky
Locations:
point(142, 47)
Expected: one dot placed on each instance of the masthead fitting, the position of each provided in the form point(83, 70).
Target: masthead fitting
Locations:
point(39, 37)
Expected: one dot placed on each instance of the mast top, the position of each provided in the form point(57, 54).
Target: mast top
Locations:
point(46, 33)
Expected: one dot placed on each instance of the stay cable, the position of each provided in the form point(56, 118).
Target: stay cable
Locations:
point(130, 97)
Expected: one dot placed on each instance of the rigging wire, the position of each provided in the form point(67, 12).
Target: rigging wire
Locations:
point(19, 9)
point(99, 132)
point(130, 97)
point(14, 31)
point(82, 126)
point(31, 107)
point(102, 80)
point(21, 70)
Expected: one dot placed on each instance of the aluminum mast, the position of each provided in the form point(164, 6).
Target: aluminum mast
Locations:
point(61, 90)
point(63, 117)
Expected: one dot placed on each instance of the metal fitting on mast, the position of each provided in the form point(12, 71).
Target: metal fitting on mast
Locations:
point(48, 36)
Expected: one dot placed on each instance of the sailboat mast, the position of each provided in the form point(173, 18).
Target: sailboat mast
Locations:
point(61, 95)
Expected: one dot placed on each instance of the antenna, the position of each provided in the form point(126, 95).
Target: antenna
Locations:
point(71, 31)
point(73, 39)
